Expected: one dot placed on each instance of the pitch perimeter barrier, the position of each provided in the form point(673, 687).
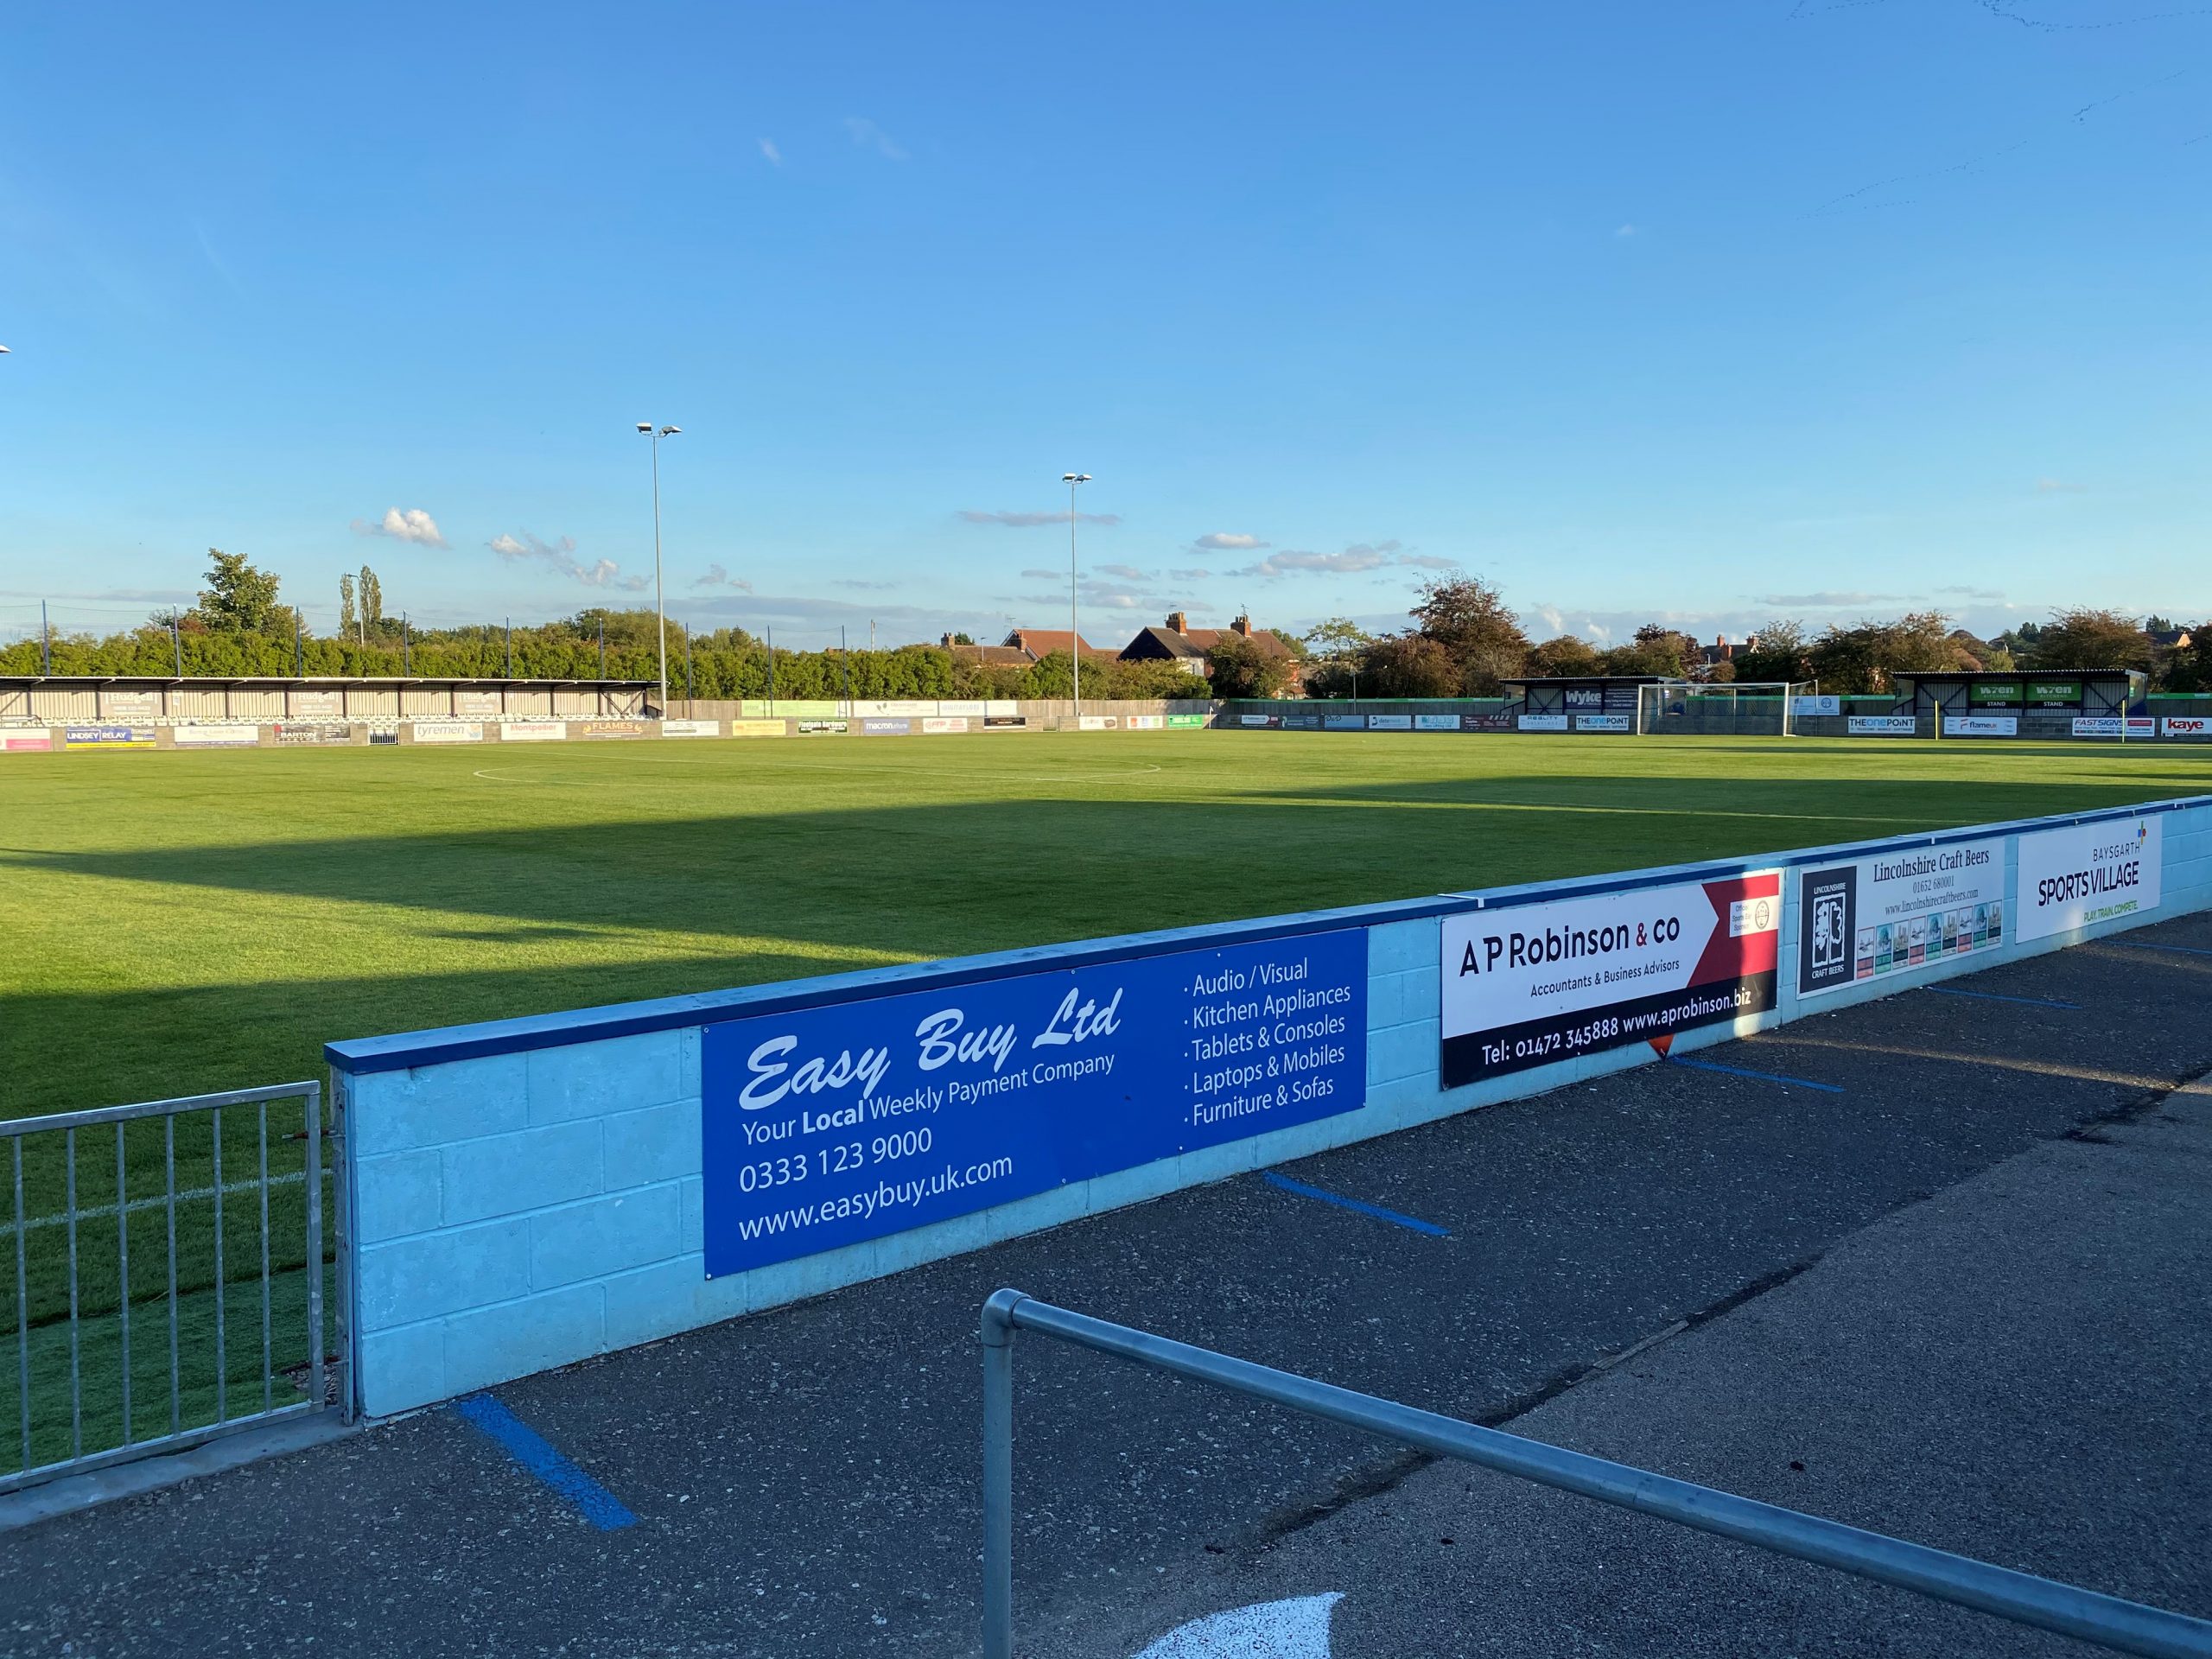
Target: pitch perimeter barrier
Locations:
point(529, 1193)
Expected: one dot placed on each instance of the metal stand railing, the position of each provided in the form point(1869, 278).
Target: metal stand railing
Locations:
point(2125, 1626)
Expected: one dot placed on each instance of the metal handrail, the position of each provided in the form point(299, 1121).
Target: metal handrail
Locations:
point(2043, 1603)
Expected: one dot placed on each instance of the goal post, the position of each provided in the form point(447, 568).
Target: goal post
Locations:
point(1720, 708)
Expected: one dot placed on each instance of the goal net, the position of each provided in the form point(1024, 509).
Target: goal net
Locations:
point(1730, 708)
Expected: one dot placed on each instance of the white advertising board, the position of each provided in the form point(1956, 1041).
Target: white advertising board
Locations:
point(1981, 725)
point(1529, 984)
point(895, 706)
point(1436, 722)
point(690, 728)
point(1816, 705)
point(1604, 723)
point(131, 705)
point(1095, 723)
point(215, 737)
point(1542, 722)
point(1891, 913)
point(314, 705)
point(1147, 722)
point(2185, 726)
point(1389, 722)
point(973, 709)
point(2114, 725)
point(2087, 872)
point(940, 723)
point(1881, 725)
point(534, 731)
point(448, 731)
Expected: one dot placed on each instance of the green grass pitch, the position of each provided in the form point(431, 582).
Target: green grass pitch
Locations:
point(173, 923)
point(176, 922)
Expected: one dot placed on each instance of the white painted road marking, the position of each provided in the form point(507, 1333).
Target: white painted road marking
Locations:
point(1297, 1628)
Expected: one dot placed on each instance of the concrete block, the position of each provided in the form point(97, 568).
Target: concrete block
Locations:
point(1402, 1051)
point(422, 1277)
point(399, 1195)
point(403, 1368)
point(596, 1079)
point(1397, 947)
point(816, 1275)
point(687, 1072)
point(486, 1347)
point(695, 1212)
point(649, 1303)
point(606, 1235)
point(397, 1111)
point(506, 1174)
point(660, 1143)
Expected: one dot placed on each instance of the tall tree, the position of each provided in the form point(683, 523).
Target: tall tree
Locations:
point(349, 620)
point(1237, 668)
point(2090, 639)
point(1565, 657)
point(372, 601)
point(1470, 619)
point(238, 598)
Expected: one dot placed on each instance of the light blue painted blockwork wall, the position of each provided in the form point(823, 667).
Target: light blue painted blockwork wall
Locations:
point(528, 1194)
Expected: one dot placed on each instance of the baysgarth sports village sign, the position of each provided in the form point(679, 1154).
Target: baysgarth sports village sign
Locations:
point(829, 1125)
point(1526, 985)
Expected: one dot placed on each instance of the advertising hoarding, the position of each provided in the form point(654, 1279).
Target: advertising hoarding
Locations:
point(1344, 722)
point(294, 733)
point(1981, 725)
point(534, 731)
point(1543, 722)
point(109, 737)
point(313, 705)
point(447, 731)
point(1184, 721)
point(2087, 872)
point(215, 737)
point(1880, 725)
point(1604, 722)
point(2184, 725)
point(131, 705)
point(1816, 705)
point(819, 728)
point(826, 1126)
point(759, 728)
point(945, 723)
point(1256, 720)
point(1886, 915)
point(1436, 722)
point(886, 727)
point(2114, 725)
point(1147, 722)
point(25, 740)
point(1389, 722)
point(690, 728)
point(1525, 985)
point(607, 729)
point(1095, 723)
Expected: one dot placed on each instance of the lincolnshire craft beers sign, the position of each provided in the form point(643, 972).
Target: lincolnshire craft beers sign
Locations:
point(1899, 911)
point(826, 1126)
point(1529, 984)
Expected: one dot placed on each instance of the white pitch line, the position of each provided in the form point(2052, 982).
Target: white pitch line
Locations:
point(8, 1229)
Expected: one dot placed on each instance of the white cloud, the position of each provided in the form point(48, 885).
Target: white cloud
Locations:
point(1029, 520)
point(404, 524)
point(869, 136)
point(1040, 575)
point(1221, 541)
point(2057, 487)
point(1191, 575)
point(560, 558)
point(718, 577)
point(1125, 572)
point(1829, 600)
point(1359, 557)
point(775, 157)
point(1625, 230)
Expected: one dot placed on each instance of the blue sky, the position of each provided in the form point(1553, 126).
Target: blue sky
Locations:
point(1812, 307)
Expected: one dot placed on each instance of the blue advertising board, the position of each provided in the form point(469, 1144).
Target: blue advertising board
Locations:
point(826, 1126)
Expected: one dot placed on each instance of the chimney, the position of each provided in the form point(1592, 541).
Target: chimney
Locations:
point(1242, 624)
point(948, 642)
point(1177, 623)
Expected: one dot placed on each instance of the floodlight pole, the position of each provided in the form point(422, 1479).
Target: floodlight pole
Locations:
point(660, 592)
point(1075, 635)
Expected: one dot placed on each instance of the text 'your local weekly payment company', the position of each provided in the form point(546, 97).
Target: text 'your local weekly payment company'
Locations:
point(828, 1125)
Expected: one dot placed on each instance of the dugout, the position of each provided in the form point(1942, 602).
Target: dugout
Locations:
point(2052, 699)
point(1590, 694)
point(69, 699)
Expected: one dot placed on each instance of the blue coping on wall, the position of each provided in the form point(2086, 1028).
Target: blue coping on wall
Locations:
point(363, 1055)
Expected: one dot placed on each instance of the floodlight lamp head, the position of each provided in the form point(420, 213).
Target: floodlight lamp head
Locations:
point(670, 431)
point(645, 427)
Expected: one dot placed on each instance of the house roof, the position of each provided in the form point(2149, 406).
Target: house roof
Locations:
point(1197, 642)
point(1043, 642)
point(991, 656)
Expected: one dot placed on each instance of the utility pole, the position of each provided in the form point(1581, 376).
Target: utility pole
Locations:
point(1074, 633)
point(45, 642)
point(845, 655)
point(771, 671)
point(176, 643)
point(406, 649)
point(602, 648)
point(510, 647)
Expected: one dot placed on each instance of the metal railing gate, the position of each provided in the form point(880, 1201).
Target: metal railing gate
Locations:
point(168, 1276)
point(2043, 1603)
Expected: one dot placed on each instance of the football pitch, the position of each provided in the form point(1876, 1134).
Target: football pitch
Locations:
point(177, 922)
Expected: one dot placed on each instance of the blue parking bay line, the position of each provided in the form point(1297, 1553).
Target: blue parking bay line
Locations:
point(2146, 945)
point(1761, 1077)
point(537, 1454)
point(1354, 1205)
point(1993, 996)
